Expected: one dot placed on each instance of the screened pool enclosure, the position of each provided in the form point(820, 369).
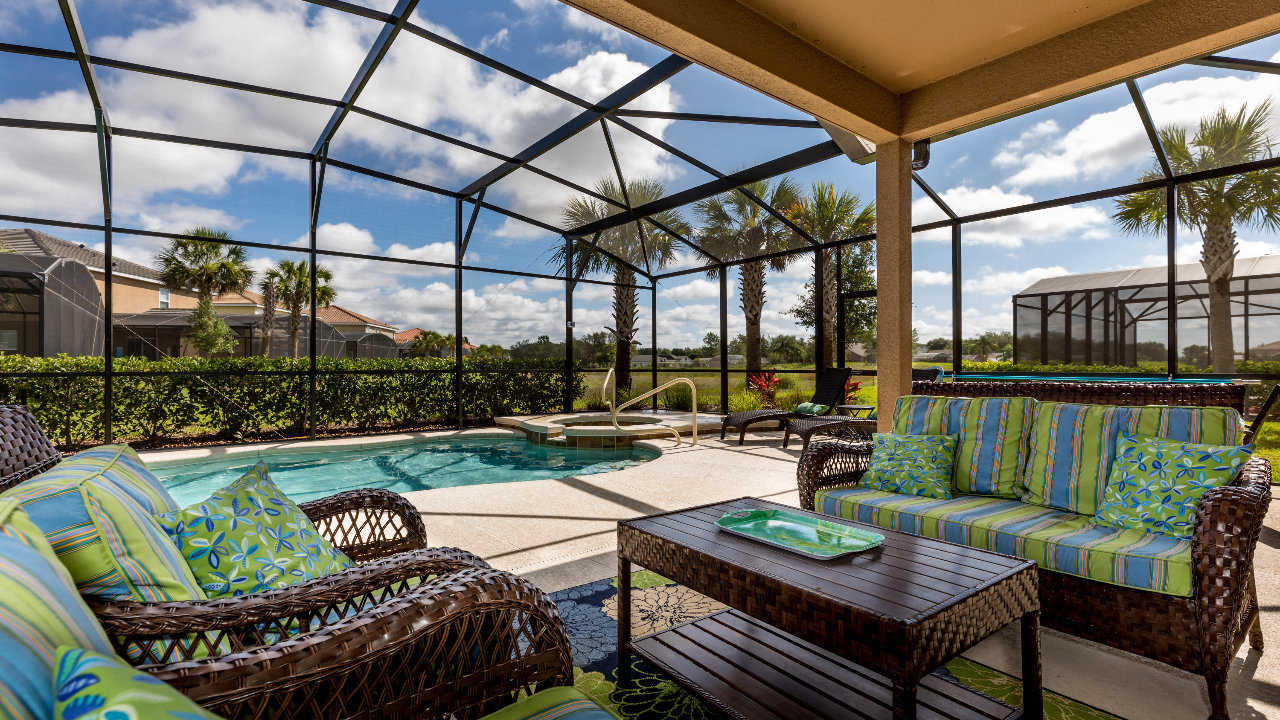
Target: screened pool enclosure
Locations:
point(402, 147)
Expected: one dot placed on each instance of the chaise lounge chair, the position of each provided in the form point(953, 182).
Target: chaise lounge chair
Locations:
point(830, 392)
point(856, 429)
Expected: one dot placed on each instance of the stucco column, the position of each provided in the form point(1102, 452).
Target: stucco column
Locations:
point(893, 276)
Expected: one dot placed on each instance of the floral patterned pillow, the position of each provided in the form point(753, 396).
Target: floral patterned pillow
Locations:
point(249, 537)
point(808, 408)
point(912, 464)
point(91, 686)
point(1156, 484)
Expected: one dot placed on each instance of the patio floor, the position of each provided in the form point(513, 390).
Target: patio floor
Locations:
point(561, 533)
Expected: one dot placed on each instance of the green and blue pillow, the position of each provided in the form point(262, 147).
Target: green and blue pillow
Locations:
point(991, 437)
point(911, 465)
point(249, 537)
point(40, 610)
point(92, 686)
point(809, 408)
point(1156, 485)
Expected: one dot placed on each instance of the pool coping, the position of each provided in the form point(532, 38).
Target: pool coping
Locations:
point(182, 456)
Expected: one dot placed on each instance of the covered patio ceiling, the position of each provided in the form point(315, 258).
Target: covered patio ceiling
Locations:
point(919, 69)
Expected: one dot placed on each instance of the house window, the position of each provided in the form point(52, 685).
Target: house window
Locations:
point(164, 298)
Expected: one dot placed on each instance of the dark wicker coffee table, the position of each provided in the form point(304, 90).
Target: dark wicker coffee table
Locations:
point(803, 638)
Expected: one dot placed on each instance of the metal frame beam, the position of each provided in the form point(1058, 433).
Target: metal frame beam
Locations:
point(646, 81)
point(1244, 64)
point(1157, 146)
point(72, 19)
point(400, 16)
point(712, 118)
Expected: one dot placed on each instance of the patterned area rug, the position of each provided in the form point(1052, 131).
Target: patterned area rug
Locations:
point(591, 613)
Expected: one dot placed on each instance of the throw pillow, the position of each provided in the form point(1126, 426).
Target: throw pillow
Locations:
point(249, 537)
point(92, 686)
point(1156, 485)
point(39, 610)
point(97, 510)
point(911, 464)
point(808, 408)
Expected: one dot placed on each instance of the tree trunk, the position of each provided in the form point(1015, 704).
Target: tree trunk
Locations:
point(751, 276)
point(829, 300)
point(268, 317)
point(1217, 256)
point(624, 320)
point(295, 329)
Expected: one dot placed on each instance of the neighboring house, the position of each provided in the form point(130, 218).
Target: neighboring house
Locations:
point(349, 322)
point(734, 361)
point(932, 356)
point(1269, 351)
point(855, 352)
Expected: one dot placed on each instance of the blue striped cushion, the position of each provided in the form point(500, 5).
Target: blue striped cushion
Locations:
point(1055, 540)
point(991, 437)
point(558, 703)
point(97, 510)
point(39, 610)
point(1073, 444)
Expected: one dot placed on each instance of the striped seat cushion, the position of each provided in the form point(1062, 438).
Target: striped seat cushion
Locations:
point(1072, 445)
point(557, 703)
point(97, 509)
point(39, 611)
point(1053, 539)
point(991, 444)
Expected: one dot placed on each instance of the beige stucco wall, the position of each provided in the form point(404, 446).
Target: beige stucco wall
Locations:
point(132, 295)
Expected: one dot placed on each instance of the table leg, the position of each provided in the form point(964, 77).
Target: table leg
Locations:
point(624, 620)
point(904, 700)
point(1032, 684)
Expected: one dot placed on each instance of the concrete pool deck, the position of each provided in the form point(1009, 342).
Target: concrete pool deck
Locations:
point(561, 533)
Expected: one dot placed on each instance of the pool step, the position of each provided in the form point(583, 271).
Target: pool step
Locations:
point(558, 440)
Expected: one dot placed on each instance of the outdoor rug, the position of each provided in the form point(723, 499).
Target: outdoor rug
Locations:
point(590, 613)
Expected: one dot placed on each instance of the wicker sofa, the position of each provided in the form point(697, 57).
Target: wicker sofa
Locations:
point(1199, 633)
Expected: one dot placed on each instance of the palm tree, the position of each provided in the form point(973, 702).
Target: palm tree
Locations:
point(293, 287)
point(631, 243)
point(1214, 207)
point(829, 215)
point(269, 287)
point(735, 228)
point(204, 265)
point(429, 343)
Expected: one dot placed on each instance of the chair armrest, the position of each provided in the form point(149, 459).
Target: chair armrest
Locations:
point(368, 524)
point(168, 632)
point(830, 464)
point(1228, 523)
point(461, 645)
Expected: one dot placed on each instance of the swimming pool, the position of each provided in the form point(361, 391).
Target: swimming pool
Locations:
point(400, 468)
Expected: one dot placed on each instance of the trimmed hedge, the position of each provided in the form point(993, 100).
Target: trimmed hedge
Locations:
point(235, 397)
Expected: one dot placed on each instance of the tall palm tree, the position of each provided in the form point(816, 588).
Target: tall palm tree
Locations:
point(1214, 207)
point(630, 242)
point(828, 215)
point(203, 264)
point(735, 228)
point(293, 287)
point(269, 286)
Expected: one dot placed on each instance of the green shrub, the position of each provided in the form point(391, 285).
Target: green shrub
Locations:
point(743, 399)
point(678, 397)
point(789, 399)
point(235, 397)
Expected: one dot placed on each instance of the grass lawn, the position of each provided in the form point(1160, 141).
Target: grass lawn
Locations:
point(1267, 445)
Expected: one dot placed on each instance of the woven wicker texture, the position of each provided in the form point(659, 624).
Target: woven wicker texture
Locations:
point(1199, 634)
point(25, 451)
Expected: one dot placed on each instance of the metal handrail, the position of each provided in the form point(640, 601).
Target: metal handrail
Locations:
point(613, 416)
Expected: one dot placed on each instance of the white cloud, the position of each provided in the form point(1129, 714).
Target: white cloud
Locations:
point(575, 19)
point(699, 289)
point(1054, 224)
point(989, 282)
point(930, 277)
point(1189, 250)
point(498, 39)
point(12, 12)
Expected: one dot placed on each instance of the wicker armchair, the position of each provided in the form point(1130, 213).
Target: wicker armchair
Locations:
point(1201, 633)
point(25, 451)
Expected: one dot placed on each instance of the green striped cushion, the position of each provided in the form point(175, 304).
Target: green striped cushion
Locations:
point(1072, 445)
point(557, 703)
point(991, 445)
point(39, 610)
point(96, 510)
point(1055, 540)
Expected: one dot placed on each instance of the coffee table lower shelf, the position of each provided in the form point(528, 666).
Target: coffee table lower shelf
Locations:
point(756, 672)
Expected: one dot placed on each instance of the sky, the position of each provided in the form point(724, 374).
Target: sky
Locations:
point(1090, 142)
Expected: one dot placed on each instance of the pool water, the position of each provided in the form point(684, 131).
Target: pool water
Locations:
point(401, 468)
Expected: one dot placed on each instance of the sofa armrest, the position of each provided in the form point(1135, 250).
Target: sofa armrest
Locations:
point(460, 646)
point(1228, 523)
point(830, 464)
point(369, 523)
point(167, 632)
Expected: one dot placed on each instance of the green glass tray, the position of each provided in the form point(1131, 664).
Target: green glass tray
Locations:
point(799, 533)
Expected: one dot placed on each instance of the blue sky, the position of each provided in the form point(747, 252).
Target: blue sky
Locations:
point(1086, 143)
